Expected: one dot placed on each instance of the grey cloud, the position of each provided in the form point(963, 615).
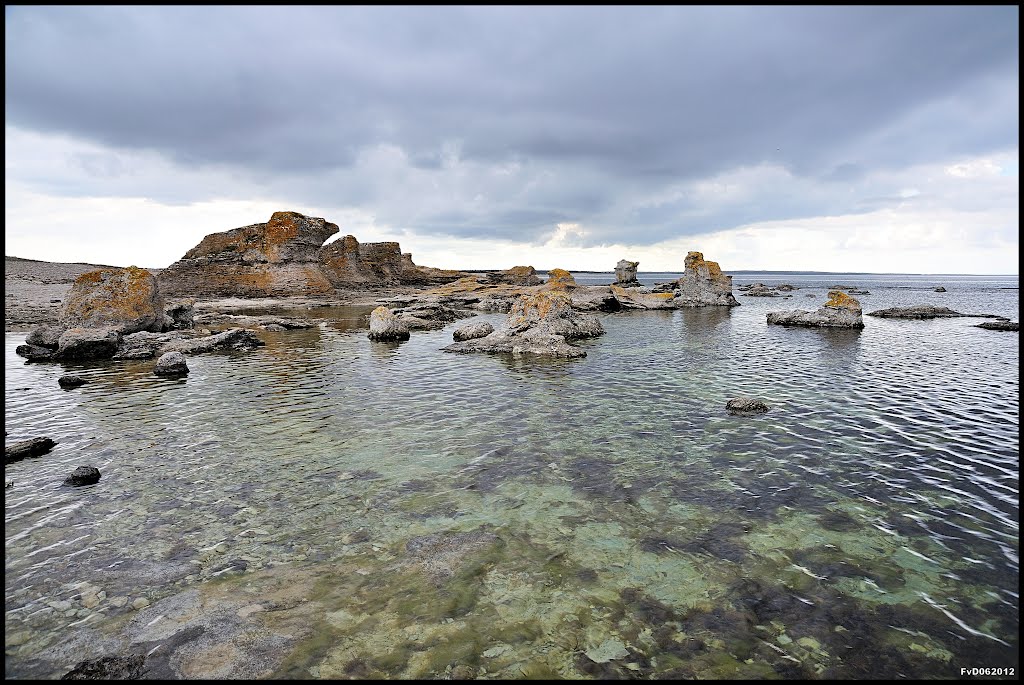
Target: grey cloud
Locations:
point(602, 105)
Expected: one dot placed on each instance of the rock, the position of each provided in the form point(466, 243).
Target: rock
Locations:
point(126, 667)
point(429, 315)
point(68, 382)
point(140, 603)
point(180, 315)
point(27, 448)
point(141, 345)
point(1000, 325)
point(171, 364)
point(231, 339)
point(386, 326)
point(625, 273)
point(517, 275)
point(8, 484)
point(746, 405)
point(592, 298)
point(703, 284)
point(560, 279)
point(88, 343)
point(35, 353)
point(347, 263)
point(45, 336)
point(473, 331)
point(760, 290)
point(542, 324)
point(840, 311)
point(124, 300)
point(641, 298)
point(919, 311)
point(940, 289)
point(83, 475)
point(609, 650)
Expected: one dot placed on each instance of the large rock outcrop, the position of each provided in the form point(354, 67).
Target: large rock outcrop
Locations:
point(542, 323)
point(703, 284)
point(348, 263)
point(625, 273)
point(841, 311)
point(126, 300)
point(278, 258)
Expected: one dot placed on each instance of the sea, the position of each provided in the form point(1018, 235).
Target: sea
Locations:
point(331, 507)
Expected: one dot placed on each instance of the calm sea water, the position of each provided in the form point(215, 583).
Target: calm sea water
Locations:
point(512, 517)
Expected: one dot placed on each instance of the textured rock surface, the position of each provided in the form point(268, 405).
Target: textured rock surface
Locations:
point(625, 273)
point(746, 405)
point(637, 298)
point(83, 475)
point(517, 275)
point(27, 448)
point(45, 336)
point(840, 311)
point(560, 279)
point(919, 311)
point(180, 315)
point(88, 343)
point(385, 325)
point(347, 263)
point(35, 353)
point(232, 339)
point(68, 382)
point(472, 331)
point(171, 364)
point(1000, 325)
point(127, 667)
point(542, 324)
point(703, 284)
point(126, 300)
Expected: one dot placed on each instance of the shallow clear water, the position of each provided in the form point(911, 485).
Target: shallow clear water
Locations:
point(600, 517)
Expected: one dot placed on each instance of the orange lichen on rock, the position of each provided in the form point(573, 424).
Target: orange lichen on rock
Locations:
point(837, 298)
point(560, 279)
point(126, 298)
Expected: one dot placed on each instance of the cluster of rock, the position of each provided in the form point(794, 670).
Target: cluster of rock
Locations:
point(762, 290)
point(840, 311)
point(286, 256)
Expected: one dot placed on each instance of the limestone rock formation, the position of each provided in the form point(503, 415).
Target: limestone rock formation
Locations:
point(517, 275)
point(625, 274)
point(840, 311)
point(472, 331)
point(920, 311)
point(277, 258)
point(703, 284)
point(171, 364)
point(542, 324)
point(560, 279)
point(126, 300)
point(642, 298)
point(385, 325)
point(348, 263)
point(1000, 325)
point(88, 343)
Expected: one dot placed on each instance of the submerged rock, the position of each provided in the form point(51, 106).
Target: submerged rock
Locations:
point(126, 667)
point(1000, 325)
point(940, 289)
point(542, 324)
point(625, 273)
point(386, 326)
point(68, 382)
point(124, 300)
point(83, 475)
point(840, 311)
point(919, 311)
point(703, 284)
point(34, 447)
point(88, 343)
point(171, 364)
point(746, 405)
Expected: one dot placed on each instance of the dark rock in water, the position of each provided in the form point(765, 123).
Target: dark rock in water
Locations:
point(35, 353)
point(472, 331)
point(840, 311)
point(703, 284)
point(386, 326)
point(231, 339)
point(88, 343)
point(27, 448)
point(45, 336)
point(940, 289)
point(746, 405)
point(68, 382)
point(124, 300)
point(171, 364)
point(141, 345)
point(83, 475)
point(1000, 325)
point(924, 311)
point(127, 667)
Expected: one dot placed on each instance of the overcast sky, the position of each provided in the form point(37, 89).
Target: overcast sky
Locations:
point(879, 139)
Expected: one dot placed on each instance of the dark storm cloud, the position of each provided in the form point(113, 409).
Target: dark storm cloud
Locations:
point(602, 105)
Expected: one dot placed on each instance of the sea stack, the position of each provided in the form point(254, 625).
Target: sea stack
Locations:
point(841, 311)
point(625, 274)
point(703, 284)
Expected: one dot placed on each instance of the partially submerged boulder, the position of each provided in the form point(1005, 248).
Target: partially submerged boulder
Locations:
point(88, 343)
point(34, 447)
point(1000, 325)
point(921, 311)
point(541, 324)
point(472, 331)
point(171, 364)
point(83, 475)
point(70, 381)
point(746, 405)
point(703, 284)
point(124, 300)
point(386, 326)
point(840, 311)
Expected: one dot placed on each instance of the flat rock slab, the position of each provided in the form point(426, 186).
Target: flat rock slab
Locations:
point(1000, 325)
point(27, 448)
point(922, 311)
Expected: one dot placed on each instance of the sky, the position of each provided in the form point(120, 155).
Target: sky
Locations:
point(830, 138)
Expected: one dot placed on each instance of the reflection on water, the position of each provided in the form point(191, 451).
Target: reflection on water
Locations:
point(413, 513)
